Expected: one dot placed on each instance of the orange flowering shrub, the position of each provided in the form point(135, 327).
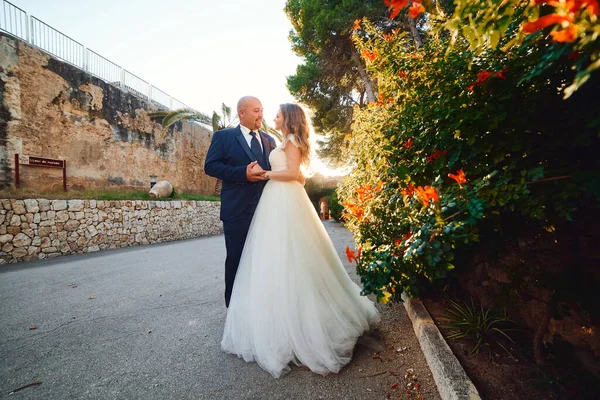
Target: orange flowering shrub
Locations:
point(466, 143)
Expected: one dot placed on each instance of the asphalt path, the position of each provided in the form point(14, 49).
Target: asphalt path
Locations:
point(139, 323)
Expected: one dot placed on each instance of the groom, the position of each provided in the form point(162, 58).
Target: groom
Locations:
point(234, 156)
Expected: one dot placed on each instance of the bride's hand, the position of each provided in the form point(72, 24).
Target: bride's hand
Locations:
point(258, 172)
point(301, 179)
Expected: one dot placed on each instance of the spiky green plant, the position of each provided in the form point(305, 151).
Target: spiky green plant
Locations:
point(223, 120)
point(170, 118)
point(477, 324)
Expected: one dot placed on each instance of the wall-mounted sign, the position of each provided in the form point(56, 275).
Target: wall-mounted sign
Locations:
point(41, 162)
point(34, 161)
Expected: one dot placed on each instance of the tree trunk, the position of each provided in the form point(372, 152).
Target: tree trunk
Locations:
point(369, 90)
point(412, 23)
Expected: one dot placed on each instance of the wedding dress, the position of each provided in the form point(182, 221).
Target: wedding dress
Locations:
point(292, 299)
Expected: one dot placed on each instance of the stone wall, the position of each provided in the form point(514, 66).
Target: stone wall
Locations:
point(37, 228)
point(49, 108)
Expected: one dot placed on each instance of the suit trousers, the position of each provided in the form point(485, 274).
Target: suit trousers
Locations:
point(235, 231)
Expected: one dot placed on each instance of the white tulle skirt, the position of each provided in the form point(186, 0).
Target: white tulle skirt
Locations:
point(292, 300)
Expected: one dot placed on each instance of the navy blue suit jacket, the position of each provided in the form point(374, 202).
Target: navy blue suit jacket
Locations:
point(227, 158)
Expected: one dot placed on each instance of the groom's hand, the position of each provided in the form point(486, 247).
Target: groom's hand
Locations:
point(254, 174)
point(258, 171)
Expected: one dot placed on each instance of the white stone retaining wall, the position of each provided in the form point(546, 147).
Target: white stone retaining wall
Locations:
point(38, 228)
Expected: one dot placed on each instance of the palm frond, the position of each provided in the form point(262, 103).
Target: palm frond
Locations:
point(216, 122)
point(226, 112)
point(158, 114)
point(170, 118)
point(233, 122)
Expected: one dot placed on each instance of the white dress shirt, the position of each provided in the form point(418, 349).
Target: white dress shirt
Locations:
point(248, 137)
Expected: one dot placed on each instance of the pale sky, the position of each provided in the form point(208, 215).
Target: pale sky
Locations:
point(201, 52)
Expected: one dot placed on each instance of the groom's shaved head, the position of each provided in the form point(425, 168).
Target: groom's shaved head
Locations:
point(245, 101)
point(250, 112)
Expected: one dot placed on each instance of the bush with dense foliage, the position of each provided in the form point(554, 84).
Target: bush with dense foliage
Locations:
point(488, 126)
point(335, 207)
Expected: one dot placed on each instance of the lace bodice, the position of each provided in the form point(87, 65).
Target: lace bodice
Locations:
point(278, 158)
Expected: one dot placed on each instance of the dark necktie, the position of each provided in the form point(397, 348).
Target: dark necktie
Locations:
point(255, 147)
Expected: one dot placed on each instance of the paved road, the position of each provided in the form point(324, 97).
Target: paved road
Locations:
point(137, 323)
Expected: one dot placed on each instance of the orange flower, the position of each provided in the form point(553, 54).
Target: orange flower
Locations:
point(593, 7)
point(435, 155)
point(546, 20)
point(354, 210)
point(381, 101)
point(565, 36)
point(356, 24)
point(350, 255)
point(481, 77)
point(500, 74)
point(422, 196)
point(368, 55)
point(398, 241)
point(432, 193)
point(402, 74)
point(408, 191)
point(427, 193)
point(573, 5)
point(359, 252)
point(415, 10)
point(396, 6)
point(388, 37)
point(364, 192)
point(459, 177)
point(408, 144)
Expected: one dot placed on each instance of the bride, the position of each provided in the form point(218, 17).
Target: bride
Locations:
point(292, 299)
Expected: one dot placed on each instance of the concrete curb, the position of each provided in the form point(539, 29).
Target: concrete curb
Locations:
point(450, 377)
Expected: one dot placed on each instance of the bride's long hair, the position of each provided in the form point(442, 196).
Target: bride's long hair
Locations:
point(296, 123)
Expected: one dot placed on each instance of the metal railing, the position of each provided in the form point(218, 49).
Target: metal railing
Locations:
point(160, 97)
point(136, 84)
point(56, 43)
point(15, 21)
point(176, 104)
point(102, 67)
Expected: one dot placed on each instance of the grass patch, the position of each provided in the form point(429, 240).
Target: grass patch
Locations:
point(96, 195)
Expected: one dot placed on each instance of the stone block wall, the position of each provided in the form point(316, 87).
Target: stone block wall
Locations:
point(35, 229)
